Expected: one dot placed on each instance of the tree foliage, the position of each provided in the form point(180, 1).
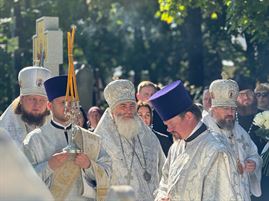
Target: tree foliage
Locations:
point(223, 21)
point(116, 34)
point(193, 43)
point(110, 34)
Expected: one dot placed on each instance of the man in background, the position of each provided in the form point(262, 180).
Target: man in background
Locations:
point(145, 90)
point(262, 95)
point(246, 111)
point(206, 100)
point(94, 115)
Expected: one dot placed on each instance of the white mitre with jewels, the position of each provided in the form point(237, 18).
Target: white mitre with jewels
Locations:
point(119, 91)
point(31, 80)
point(223, 93)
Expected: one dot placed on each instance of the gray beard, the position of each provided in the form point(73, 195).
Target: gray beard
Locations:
point(127, 128)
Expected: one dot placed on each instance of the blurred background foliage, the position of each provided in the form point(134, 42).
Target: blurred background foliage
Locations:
point(193, 40)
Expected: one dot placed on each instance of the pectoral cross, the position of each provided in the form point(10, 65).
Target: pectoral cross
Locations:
point(129, 177)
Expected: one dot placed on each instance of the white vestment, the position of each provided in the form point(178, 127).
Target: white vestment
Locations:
point(243, 149)
point(39, 146)
point(199, 170)
point(13, 123)
point(132, 162)
point(18, 179)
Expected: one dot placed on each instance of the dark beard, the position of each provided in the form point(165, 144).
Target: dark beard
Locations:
point(247, 110)
point(226, 124)
point(31, 119)
point(37, 120)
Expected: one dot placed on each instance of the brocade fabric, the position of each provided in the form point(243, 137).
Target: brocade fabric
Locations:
point(153, 153)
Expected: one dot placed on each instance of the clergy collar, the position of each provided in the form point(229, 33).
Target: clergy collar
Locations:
point(60, 126)
point(199, 128)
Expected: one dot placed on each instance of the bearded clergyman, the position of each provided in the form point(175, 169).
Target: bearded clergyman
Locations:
point(222, 120)
point(80, 175)
point(137, 156)
point(199, 167)
point(29, 110)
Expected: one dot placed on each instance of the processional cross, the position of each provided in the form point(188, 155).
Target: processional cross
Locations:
point(48, 44)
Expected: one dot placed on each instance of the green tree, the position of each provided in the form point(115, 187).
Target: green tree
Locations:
point(224, 20)
point(17, 26)
point(192, 45)
point(118, 34)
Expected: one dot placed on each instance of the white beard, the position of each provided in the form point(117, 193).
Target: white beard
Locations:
point(127, 128)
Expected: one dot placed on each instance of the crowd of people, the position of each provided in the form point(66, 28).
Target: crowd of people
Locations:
point(149, 144)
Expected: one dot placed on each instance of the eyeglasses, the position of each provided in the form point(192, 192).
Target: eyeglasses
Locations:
point(261, 94)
